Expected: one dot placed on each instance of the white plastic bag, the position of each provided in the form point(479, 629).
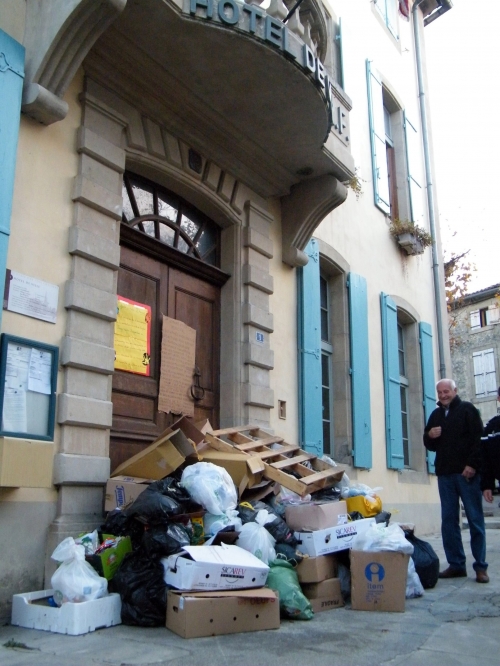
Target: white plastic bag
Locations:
point(75, 580)
point(355, 488)
point(378, 537)
point(256, 539)
point(213, 524)
point(211, 486)
point(414, 587)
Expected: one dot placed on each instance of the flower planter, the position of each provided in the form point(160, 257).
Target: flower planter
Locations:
point(410, 243)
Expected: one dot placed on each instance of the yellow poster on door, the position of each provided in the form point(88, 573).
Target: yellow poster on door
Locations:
point(133, 337)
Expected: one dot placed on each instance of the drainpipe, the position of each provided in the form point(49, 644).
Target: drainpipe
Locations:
point(430, 191)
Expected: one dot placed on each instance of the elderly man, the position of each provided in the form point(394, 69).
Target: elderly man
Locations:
point(454, 432)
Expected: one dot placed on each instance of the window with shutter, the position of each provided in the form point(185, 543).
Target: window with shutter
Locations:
point(415, 178)
point(485, 379)
point(378, 139)
point(428, 381)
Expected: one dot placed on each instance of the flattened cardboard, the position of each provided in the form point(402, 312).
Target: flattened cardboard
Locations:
point(332, 539)
point(209, 568)
point(26, 463)
point(165, 454)
point(178, 351)
point(317, 569)
point(324, 596)
point(378, 580)
point(196, 614)
point(121, 490)
point(312, 516)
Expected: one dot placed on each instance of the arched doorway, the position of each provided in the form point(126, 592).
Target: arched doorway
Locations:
point(169, 261)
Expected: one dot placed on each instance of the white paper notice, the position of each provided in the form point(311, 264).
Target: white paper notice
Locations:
point(32, 297)
point(17, 367)
point(14, 411)
point(40, 371)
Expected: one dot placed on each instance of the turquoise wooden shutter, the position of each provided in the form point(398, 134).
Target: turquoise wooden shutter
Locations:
point(414, 175)
point(392, 385)
point(309, 329)
point(377, 136)
point(11, 88)
point(428, 380)
point(360, 372)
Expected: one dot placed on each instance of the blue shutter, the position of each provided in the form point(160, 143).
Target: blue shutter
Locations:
point(11, 88)
point(392, 385)
point(377, 136)
point(360, 371)
point(414, 175)
point(428, 380)
point(309, 329)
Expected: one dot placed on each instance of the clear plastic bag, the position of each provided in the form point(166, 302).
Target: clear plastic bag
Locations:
point(211, 486)
point(256, 539)
point(378, 537)
point(414, 587)
point(353, 489)
point(75, 580)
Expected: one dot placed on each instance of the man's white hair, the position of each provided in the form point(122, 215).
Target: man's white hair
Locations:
point(451, 382)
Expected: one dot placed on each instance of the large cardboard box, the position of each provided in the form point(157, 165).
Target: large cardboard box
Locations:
point(121, 490)
point(316, 515)
point(332, 539)
point(378, 580)
point(195, 614)
point(207, 568)
point(246, 471)
point(317, 569)
point(165, 454)
point(325, 595)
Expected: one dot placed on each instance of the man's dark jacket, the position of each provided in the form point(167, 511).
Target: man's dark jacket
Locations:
point(460, 442)
point(491, 454)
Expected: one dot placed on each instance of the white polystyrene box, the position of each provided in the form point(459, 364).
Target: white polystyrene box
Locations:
point(71, 618)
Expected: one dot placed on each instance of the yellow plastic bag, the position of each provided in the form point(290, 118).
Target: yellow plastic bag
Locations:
point(367, 506)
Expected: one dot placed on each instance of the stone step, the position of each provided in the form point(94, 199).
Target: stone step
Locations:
point(490, 522)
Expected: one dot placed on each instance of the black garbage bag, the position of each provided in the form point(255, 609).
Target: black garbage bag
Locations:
point(277, 528)
point(425, 559)
point(139, 582)
point(170, 488)
point(164, 540)
point(383, 517)
point(356, 515)
point(325, 494)
point(118, 523)
point(152, 507)
point(281, 532)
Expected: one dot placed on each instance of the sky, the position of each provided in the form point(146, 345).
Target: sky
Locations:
point(463, 61)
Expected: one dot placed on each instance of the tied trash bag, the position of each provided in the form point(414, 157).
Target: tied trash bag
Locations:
point(164, 540)
point(139, 582)
point(152, 507)
point(211, 486)
point(282, 578)
point(75, 580)
point(256, 539)
point(378, 537)
point(425, 559)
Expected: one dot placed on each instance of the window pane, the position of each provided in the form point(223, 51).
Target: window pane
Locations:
point(327, 436)
point(323, 291)
point(189, 226)
point(206, 241)
point(127, 206)
point(166, 209)
point(149, 228)
point(325, 374)
point(324, 325)
point(167, 234)
point(144, 199)
point(403, 399)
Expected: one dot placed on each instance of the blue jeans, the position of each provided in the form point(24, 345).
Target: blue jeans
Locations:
point(452, 488)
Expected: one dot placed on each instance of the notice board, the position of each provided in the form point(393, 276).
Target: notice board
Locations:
point(178, 350)
point(132, 340)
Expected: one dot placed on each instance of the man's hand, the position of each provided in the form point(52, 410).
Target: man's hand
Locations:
point(488, 495)
point(468, 472)
point(435, 432)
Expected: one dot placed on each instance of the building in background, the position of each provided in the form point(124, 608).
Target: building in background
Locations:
point(235, 170)
point(475, 348)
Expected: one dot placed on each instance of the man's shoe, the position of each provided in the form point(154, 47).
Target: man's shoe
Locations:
point(454, 573)
point(482, 577)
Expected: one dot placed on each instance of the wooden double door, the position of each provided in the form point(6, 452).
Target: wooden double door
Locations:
point(182, 295)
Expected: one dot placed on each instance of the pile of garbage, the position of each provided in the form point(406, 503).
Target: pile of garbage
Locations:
point(227, 522)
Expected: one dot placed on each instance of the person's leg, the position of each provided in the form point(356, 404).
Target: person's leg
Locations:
point(470, 492)
point(450, 521)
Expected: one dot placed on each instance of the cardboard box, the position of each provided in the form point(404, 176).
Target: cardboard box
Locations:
point(31, 610)
point(317, 569)
point(195, 614)
point(332, 539)
point(106, 563)
point(378, 580)
point(122, 490)
point(221, 567)
point(165, 454)
point(245, 471)
point(325, 595)
point(316, 515)
point(26, 463)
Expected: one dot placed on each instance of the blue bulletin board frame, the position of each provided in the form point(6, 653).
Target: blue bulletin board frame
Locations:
point(50, 408)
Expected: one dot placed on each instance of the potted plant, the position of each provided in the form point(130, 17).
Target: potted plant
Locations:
point(412, 238)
